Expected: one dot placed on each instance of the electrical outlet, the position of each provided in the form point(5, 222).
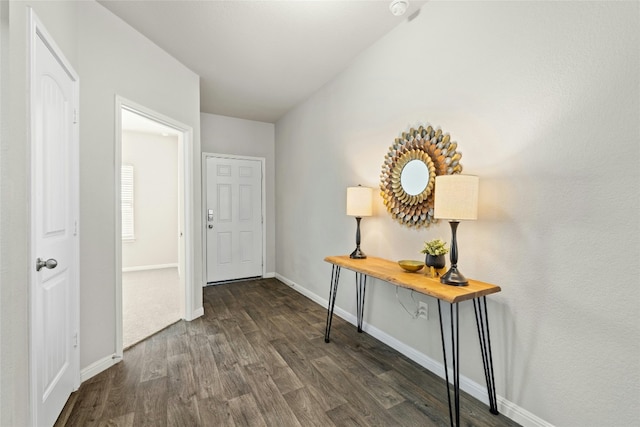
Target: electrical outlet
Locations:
point(423, 310)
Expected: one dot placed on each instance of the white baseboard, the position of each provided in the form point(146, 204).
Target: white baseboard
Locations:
point(505, 407)
point(198, 312)
point(149, 267)
point(98, 366)
point(313, 297)
point(269, 275)
point(520, 415)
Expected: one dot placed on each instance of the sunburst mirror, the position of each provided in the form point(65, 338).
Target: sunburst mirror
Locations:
point(409, 172)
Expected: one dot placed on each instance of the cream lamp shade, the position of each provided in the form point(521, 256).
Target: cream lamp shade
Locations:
point(456, 197)
point(359, 201)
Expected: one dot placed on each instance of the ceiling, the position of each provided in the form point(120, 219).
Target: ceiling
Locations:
point(136, 123)
point(258, 59)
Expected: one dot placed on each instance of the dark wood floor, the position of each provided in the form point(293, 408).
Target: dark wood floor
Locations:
point(258, 358)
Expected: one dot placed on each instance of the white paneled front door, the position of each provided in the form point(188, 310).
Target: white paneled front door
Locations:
point(54, 352)
point(233, 218)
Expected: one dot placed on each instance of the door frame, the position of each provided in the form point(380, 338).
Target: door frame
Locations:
point(186, 136)
point(263, 207)
point(37, 30)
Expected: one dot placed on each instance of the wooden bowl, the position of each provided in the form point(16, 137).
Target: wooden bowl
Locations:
point(410, 265)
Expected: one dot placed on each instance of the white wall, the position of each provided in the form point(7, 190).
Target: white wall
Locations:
point(155, 164)
point(543, 99)
point(115, 60)
point(4, 134)
point(111, 58)
point(228, 135)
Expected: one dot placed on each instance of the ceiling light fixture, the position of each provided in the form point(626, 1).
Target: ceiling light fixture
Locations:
point(398, 7)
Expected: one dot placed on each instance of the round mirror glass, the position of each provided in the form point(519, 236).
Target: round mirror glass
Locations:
point(414, 177)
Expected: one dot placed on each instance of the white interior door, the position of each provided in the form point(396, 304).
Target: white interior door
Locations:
point(54, 348)
point(233, 218)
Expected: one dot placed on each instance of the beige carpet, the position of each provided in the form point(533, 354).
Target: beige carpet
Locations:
point(150, 302)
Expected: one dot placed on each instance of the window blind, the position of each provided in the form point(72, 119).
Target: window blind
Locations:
point(126, 194)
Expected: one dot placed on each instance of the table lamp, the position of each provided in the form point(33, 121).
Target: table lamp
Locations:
point(455, 199)
point(359, 204)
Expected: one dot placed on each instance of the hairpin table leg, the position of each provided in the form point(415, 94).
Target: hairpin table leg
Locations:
point(482, 322)
point(361, 287)
point(333, 290)
point(454, 410)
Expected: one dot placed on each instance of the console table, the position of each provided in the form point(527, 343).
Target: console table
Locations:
point(391, 272)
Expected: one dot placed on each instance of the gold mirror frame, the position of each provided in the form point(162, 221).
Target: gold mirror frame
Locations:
point(441, 157)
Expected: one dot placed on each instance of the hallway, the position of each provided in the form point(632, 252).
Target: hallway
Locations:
point(258, 358)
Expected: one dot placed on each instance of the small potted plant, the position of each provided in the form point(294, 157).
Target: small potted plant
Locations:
point(435, 250)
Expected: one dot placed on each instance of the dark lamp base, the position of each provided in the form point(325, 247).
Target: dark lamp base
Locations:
point(454, 278)
point(357, 254)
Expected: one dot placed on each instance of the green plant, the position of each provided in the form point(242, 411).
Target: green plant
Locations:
point(435, 247)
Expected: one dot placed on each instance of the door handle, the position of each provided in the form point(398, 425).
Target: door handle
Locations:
point(50, 264)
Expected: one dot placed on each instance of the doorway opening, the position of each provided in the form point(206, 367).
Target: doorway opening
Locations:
point(154, 267)
point(234, 229)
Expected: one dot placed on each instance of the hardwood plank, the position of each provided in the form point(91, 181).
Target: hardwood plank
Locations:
point(386, 396)
point(177, 328)
point(240, 346)
point(234, 381)
point(307, 409)
point(121, 421)
point(205, 369)
point(195, 327)
point(90, 403)
point(263, 321)
point(219, 308)
point(246, 323)
point(215, 412)
point(280, 372)
point(118, 402)
point(273, 406)
point(231, 376)
point(289, 329)
point(183, 412)
point(177, 344)
point(154, 364)
point(295, 320)
point(211, 324)
point(362, 348)
point(230, 302)
point(182, 382)
point(431, 403)
point(355, 364)
point(354, 392)
point(245, 412)
point(151, 403)
point(221, 350)
point(346, 416)
point(365, 358)
point(408, 415)
point(326, 395)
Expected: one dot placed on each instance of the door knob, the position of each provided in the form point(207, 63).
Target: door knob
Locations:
point(50, 264)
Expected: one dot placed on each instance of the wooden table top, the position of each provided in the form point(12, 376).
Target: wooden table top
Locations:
point(391, 272)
